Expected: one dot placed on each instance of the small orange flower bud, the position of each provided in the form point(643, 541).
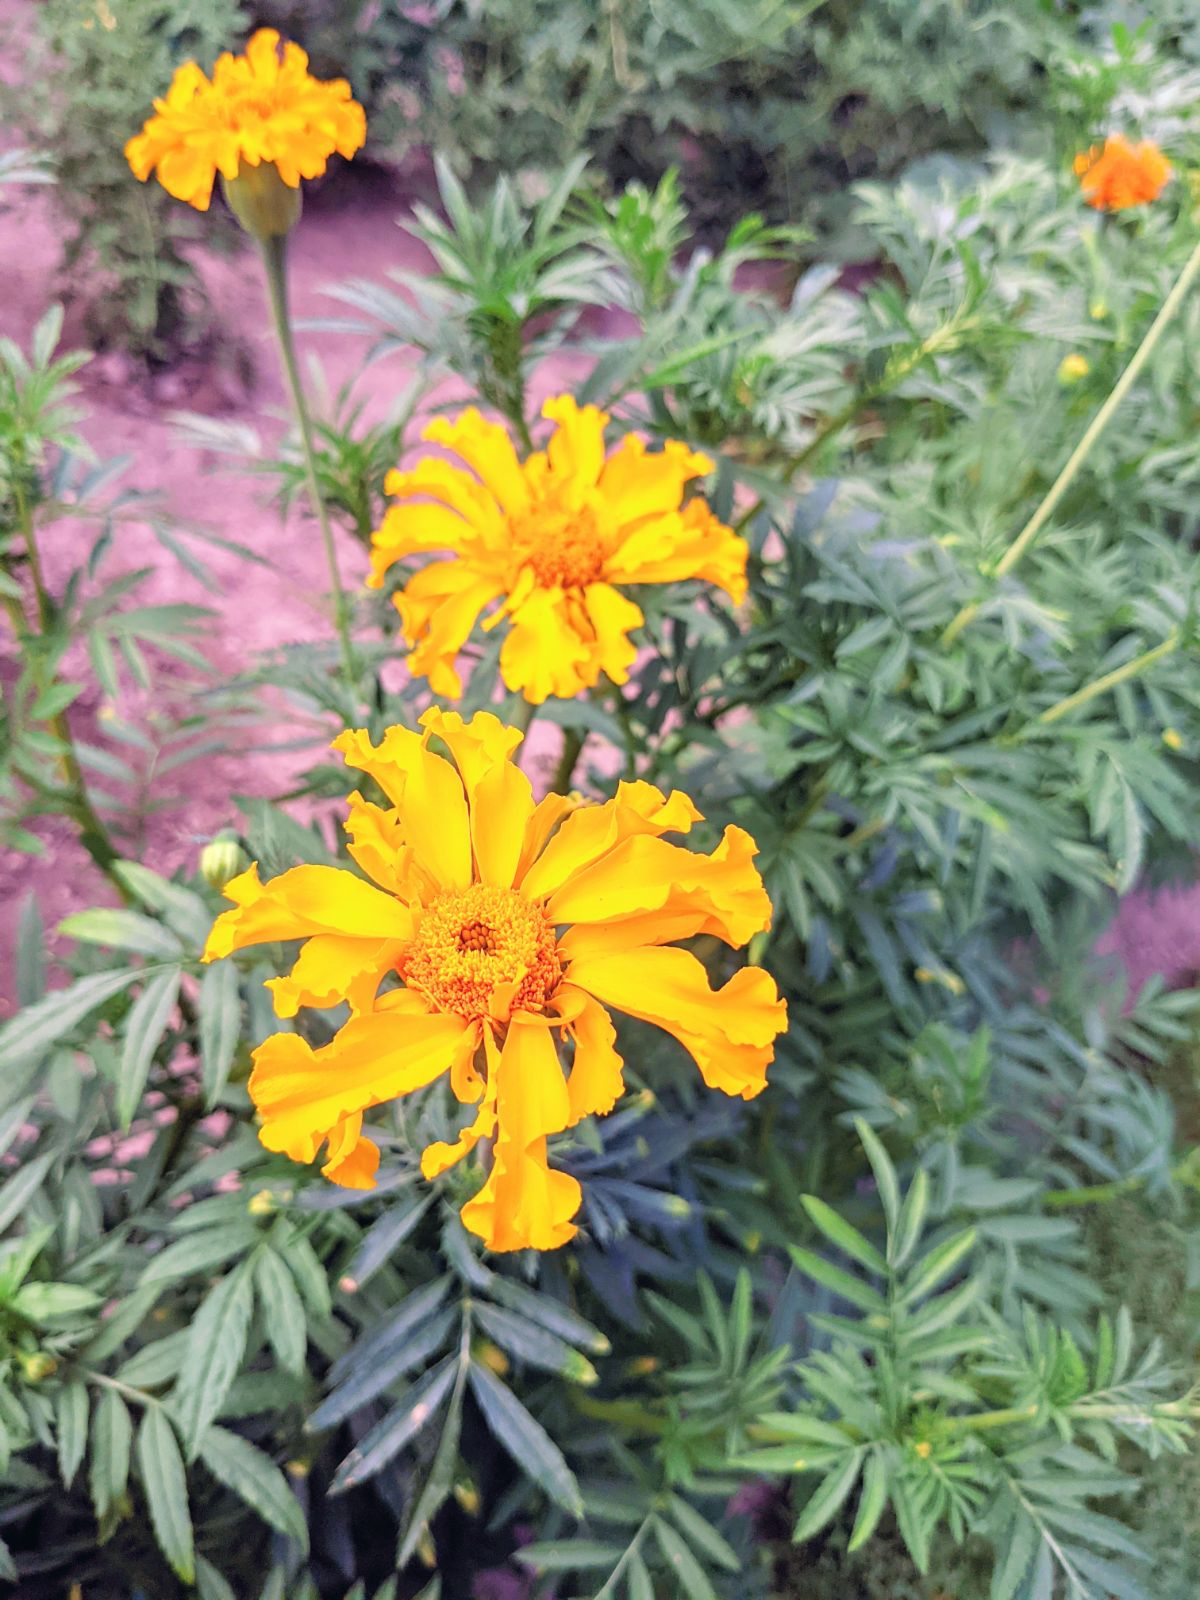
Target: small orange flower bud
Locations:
point(1122, 174)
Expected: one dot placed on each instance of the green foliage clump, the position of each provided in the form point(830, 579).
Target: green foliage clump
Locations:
point(877, 1332)
point(94, 71)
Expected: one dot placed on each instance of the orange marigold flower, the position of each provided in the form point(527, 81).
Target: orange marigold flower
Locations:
point(509, 925)
point(551, 539)
point(263, 107)
point(1122, 174)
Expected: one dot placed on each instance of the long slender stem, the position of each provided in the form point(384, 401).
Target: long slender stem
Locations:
point(1110, 680)
point(1091, 434)
point(92, 832)
point(572, 745)
point(274, 252)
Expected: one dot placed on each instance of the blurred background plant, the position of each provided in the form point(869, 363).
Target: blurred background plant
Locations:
point(919, 1322)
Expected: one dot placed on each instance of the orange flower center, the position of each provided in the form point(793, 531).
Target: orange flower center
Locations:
point(563, 546)
point(484, 952)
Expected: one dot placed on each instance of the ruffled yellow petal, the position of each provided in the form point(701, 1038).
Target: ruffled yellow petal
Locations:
point(525, 1204)
point(448, 485)
point(547, 815)
point(575, 452)
point(303, 1094)
point(636, 484)
point(487, 450)
point(377, 843)
point(612, 617)
point(478, 746)
point(438, 608)
point(693, 544)
point(729, 1032)
point(723, 894)
point(390, 763)
point(351, 1161)
point(591, 831)
point(545, 652)
point(596, 1080)
point(414, 529)
point(300, 903)
point(333, 967)
point(440, 1156)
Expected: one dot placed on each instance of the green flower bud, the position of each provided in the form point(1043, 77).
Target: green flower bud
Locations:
point(220, 860)
point(265, 206)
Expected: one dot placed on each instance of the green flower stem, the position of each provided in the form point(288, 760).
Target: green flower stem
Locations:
point(1110, 680)
point(92, 832)
point(572, 746)
point(274, 254)
point(1093, 432)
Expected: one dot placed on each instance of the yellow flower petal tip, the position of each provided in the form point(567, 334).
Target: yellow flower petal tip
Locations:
point(545, 545)
point(261, 108)
point(1121, 174)
point(495, 929)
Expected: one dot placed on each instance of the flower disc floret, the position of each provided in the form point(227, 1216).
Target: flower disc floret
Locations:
point(485, 952)
point(512, 926)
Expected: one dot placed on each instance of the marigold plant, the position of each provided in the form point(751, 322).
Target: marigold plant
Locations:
point(261, 108)
point(1122, 174)
point(474, 880)
point(552, 539)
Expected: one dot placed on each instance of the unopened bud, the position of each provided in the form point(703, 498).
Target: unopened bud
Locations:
point(1073, 369)
point(38, 1365)
point(1098, 310)
point(265, 206)
point(347, 1284)
point(1172, 738)
point(220, 860)
point(261, 1204)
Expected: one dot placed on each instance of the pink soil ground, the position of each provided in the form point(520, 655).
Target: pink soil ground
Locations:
point(353, 229)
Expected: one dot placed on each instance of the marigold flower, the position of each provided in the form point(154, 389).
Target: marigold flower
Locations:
point(260, 108)
point(551, 539)
point(507, 923)
point(1122, 174)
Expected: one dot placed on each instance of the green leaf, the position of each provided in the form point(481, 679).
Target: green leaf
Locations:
point(938, 1264)
point(72, 1422)
point(34, 1030)
point(692, 1579)
point(160, 1467)
point(440, 1478)
point(254, 1478)
point(872, 1502)
point(282, 1311)
point(839, 1232)
point(22, 1186)
point(702, 1534)
point(112, 1439)
point(391, 1433)
point(210, 1585)
point(46, 1302)
point(839, 1282)
point(903, 1238)
point(216, 1345)
point(831, 1494)
point(534, 1345)
point(199, 1252)
point(552, 1315)
point(885, 1174)
point(183, 909)
point(1014, 1556)
point(641, 1585)
point(569, 1555)
point(122, 930)
point(220, 1006)
point(526, 1441)
point(144, 1029)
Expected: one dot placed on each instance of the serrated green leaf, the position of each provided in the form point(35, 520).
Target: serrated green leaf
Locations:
point(160, 1468)
point(282, 1311)
point(34, 1030)
point(526, 1441)
point(693, 1581)
point(22, 1186)
point(112, 1440)
point(829, 1497)
point(839, 1232)
point(937, 1265)
point(569, 1555)
point(838, 1281)
point(440, 1478)
point(902, 1240)
point(702, 1535)
point(872, 1501)
point(535, 1345)
point(254, 1478)
point(220, 1007)
point(392, 1433)
point(144, 1028)
point(72, 1425)
point(122, 930)
point(216, 1345)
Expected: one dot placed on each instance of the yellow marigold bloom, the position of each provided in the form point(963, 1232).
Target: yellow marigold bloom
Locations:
point(1122, 174)
point(263, 107)
point(552, 539)
point(507, 924)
